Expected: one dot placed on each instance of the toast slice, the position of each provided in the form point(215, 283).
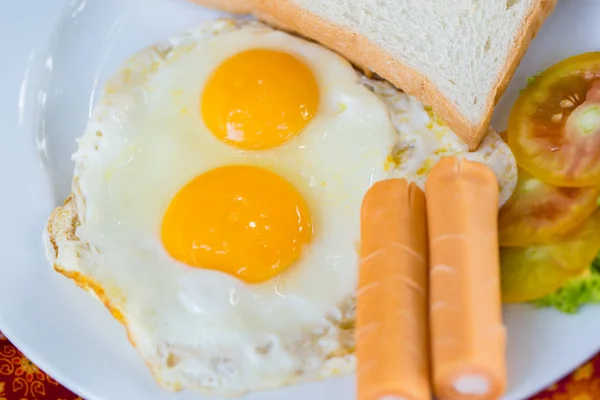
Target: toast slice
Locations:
point(456, 56)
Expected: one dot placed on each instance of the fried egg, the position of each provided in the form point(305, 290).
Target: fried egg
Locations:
point(216, 201)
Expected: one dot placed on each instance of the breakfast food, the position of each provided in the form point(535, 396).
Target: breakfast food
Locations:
point(424, 140)
point(216, 201)
point(529, 273)
point(554, 127)
point(468, 338)
point(539, 213)
point(549, 228)
point(456, 59)
point(577, 292)
point(391, 312)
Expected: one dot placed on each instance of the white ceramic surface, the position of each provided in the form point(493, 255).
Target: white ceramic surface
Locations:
point(55, 55)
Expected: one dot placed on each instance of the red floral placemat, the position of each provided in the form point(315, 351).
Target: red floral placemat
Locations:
point(20, 379)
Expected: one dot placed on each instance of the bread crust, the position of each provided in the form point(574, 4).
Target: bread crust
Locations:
point(232, 6)
point(361, 51)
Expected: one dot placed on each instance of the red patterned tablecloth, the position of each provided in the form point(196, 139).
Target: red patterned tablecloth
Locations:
point(20, 379)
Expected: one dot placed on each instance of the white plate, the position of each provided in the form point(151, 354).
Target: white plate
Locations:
point(55, 56)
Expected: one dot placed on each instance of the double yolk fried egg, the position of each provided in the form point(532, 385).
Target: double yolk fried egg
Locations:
point(216, 202)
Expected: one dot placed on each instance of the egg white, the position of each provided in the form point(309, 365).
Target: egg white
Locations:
point(203, 329)
point(147, 140)
point(424, 140)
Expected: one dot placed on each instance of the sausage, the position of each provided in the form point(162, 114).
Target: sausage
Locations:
point(392, 330)
point(468, 338)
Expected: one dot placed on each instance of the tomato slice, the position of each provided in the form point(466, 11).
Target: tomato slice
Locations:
point(538, 213)
point(528, 273)
point(554, 127)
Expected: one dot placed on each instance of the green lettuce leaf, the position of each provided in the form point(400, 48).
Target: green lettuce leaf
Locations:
point(576, 293)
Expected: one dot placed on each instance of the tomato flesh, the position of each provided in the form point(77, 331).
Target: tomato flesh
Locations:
point(554, 127)
point(528, 273)
point(538, 213)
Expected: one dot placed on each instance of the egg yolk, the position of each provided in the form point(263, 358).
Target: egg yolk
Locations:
point(259, 99)
point(241, 220)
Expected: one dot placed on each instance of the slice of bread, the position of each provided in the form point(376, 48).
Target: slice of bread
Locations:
point(456, 56)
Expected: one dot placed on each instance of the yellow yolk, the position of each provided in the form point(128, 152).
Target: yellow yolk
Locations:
point(259, 99)
point(241, 220)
